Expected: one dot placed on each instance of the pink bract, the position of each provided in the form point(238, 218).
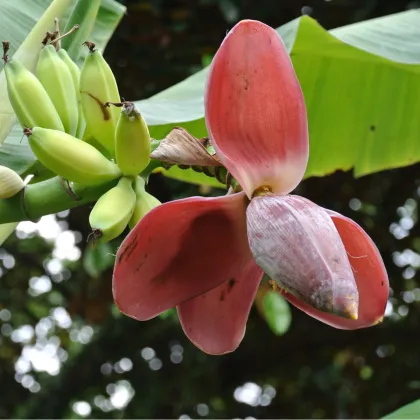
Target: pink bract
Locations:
point(255, 111)
point(180, 250)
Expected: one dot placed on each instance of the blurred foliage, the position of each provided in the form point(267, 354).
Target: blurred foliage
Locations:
point(66, 352)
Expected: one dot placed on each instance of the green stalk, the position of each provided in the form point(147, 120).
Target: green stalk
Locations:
point(48, 197)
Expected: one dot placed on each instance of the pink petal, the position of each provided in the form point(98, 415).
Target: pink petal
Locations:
point(296, 243)
point(180, 250)
point(216, 321)
point(255, 111)
point(370, 275)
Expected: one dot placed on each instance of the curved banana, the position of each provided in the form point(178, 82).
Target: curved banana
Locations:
point(75, 73)
point(10, 182)
point(57, 80)
point(144, 202)
point(111, 213)
point(71, 158)
point(98, 86)
point(29, 99)
point(132, 141)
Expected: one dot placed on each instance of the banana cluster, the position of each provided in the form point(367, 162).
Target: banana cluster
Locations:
point(78, 128)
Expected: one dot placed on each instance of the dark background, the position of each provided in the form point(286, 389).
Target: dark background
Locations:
point(316, 371)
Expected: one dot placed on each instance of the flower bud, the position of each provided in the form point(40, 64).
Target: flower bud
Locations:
point(296, 243)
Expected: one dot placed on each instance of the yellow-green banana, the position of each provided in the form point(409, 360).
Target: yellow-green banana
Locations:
point(57, 80)
point(144, 202)
point(75, 73)
point(132, 141)
point(111, 213)
point(10, 182)
point(71, 158)
point(98, 86)
point(29, 99)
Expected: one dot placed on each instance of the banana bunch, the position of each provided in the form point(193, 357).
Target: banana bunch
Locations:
point(79, 129)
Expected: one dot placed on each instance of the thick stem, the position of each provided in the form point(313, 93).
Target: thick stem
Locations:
point(47, 197)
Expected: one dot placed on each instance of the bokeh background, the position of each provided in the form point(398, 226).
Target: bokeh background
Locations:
point(66, 352)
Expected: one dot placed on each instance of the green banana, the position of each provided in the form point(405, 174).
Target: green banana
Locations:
point(98, 86)
point(57, 80)
point(29, 99)
point(132, 141)
point(144, 202)
point(10, 182)
point(111, 213)
point(75, 73)
point(71, 158)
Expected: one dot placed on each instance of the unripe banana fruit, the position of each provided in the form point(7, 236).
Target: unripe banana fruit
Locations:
point(57, 80)
point(132, 141)
point(71, 158)
point(10, 182)
point(29, 99)
point(98, 86)
point(111, 213)
point(75, 73)
point(144, 202)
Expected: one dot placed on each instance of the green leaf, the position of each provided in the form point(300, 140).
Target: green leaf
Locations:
point(84, 14)
point(25, 23)
point(6, 230)
point(409, 411)
point(98, 258)
point(361, 84)
point(276, 312)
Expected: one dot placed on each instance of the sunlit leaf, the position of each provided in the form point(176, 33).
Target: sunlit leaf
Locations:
point(6, 230)
point(83, 14)
point(409, 411)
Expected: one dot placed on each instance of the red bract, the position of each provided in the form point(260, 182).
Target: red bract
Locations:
point(206, 256)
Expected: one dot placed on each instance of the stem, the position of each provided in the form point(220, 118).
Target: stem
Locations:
point(57, 31)
point(48, 197)
point(57, 40)
point(6, 46)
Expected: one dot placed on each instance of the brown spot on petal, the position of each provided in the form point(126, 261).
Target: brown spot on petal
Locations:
point(128, 250)
point(231, 283)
